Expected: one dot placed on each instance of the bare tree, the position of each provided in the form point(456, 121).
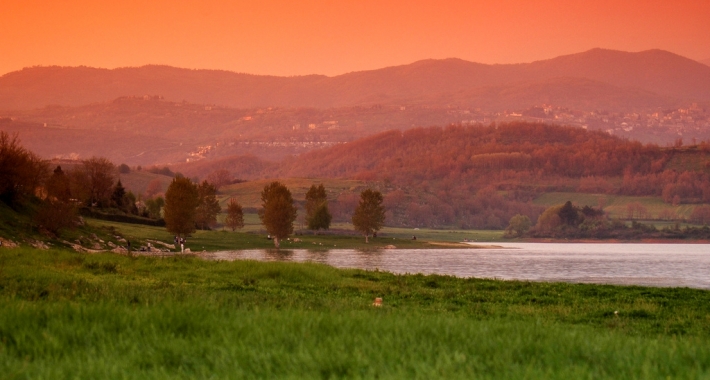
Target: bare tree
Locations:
point(102, 174)
point(220, 178)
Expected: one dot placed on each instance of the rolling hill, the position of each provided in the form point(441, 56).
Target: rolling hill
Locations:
point(656, 73)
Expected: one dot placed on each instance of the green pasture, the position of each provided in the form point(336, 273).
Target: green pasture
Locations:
point(614, 205)
point(248, 194)
point(65, 315)
point(256, 238)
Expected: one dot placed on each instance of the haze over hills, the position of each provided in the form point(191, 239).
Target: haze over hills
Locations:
point(656, 74)
point(706, 61)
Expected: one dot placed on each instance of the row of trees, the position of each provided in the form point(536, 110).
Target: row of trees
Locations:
point(188, 205)
point(278, 211)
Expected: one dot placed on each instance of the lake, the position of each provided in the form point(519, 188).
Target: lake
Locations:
point(683, 265)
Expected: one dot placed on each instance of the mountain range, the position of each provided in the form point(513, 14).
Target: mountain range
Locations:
point(598, 78)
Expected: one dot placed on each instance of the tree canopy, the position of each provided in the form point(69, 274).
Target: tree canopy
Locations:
point(317, 214)
point(181, 201)
point(235, 215)
point(207, 205)
point(369, 216)
point(278, 211)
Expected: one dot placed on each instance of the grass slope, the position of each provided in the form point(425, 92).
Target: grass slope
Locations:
point(69, 315)
point(248, 194)
point(614, 205)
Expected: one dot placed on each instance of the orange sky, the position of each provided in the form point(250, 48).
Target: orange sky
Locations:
point(334, 37)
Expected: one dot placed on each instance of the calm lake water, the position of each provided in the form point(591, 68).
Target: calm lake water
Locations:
point(626, 264)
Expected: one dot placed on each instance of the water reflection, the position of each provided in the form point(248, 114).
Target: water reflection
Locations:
point(629, 264)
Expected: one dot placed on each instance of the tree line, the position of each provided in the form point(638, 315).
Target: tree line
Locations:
point(186, 201)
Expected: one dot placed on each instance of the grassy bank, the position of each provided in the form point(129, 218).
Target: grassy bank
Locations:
point(70, 315)
point(255, 238)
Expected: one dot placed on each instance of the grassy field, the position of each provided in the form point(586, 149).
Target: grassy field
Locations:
point(70, 315)
point(253, 237)
point(249, 193)
point(614, 205)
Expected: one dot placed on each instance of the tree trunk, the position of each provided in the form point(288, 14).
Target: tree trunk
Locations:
point(366, 236)
point(276, 242)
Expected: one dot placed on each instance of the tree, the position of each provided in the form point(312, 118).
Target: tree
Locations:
point(21, 171)
point(118, 194)
point(317, 214)
point(278, 212)
point(53, 216)
point(58, 186)
point(219, 178)
point(154, 205)
point(154, 188)
point(321, 218)
point(235, 215)
point(79, 185)
point(519, 224)
point(550, 219)
point(569, 214)
point(180, 205)
point(101, 173)
point(369, 216)
point(57, 211)
point(207, 205)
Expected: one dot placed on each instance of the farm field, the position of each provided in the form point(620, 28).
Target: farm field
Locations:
point(70, 315)
point(614, 205)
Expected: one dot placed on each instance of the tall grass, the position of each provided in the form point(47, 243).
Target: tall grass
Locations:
point(69, 315)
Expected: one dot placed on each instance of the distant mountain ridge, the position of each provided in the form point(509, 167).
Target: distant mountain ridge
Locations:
point(652, 74)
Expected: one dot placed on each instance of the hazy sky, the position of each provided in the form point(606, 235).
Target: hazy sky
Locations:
point(333, 37)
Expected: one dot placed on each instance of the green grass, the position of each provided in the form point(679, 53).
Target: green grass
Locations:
point(249, 193)
point(70, 315)
point(255, 238)
point(614, 205)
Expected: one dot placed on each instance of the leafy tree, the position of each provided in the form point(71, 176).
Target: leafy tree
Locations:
point(21, 171)
point(181, 200)
point(235, 215)
point(519, 224)
point(321, 218)
point(369, 216)
point(154, 205)
point(569, 214)
point(101, 173)
point(317, 214)
point(79, 186)
point(207, 205)
point(550, 219)
point(58, 186)
point(124, 169)
point(129, 203)
point(278, 212)
point(54, 215)
point(119, 192)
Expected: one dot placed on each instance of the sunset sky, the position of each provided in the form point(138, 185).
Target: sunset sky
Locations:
point(335, 37)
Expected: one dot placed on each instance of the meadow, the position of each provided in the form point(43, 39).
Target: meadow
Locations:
point(71, 315)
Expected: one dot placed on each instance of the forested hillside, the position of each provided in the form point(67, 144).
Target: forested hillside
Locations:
point(480, 176)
